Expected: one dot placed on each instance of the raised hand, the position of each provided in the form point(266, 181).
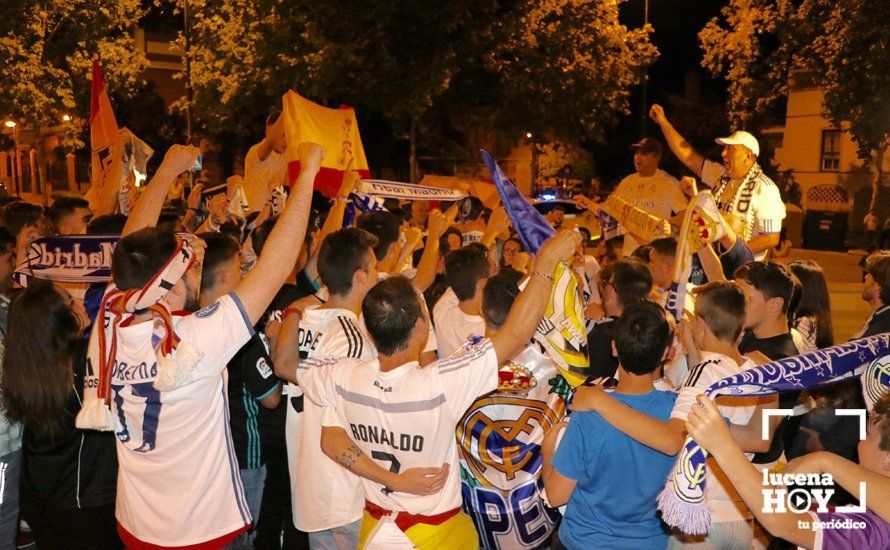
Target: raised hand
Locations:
point(351, 178)
point(196, 196)
point(689, 186)
point(706, 425)
point(438, 223)
point(311, 155)
point(561, 246)
point(656, 113)
point(179, 158)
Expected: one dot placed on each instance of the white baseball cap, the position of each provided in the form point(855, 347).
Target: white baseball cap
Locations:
point(741, 138)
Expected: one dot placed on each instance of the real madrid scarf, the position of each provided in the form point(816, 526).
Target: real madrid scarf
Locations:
point(740, 201)
point(682, 501)
point(636, 220)
point(701, 226)
point(175, 360)
point(68, 259)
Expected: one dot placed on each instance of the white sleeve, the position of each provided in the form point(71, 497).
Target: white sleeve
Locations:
point(697, 380)
point(315, 378)
point(769, 210)
point(218, 331)
point(467, 376)
point(711, 172)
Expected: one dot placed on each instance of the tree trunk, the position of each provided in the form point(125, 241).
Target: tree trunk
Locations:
point(42, 186)
point(413, 152)
point(876, 185)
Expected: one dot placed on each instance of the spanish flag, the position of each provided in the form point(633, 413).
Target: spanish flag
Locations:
point(334, 129)
point(103, 128)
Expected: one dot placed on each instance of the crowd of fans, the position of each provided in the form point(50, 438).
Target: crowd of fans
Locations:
point(284, 380)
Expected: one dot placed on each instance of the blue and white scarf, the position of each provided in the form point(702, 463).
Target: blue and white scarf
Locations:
point(682, 501)
point(68, 259)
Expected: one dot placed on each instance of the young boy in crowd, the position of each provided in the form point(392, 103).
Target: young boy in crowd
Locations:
point(327, 499)
point(458, 314)
point(594, 460)
point(620, 282)
point(711, 341)
point(768, 290)
point(868, 529)
point(251, 383)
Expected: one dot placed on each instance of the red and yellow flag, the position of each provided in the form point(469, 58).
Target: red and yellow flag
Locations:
point(103, 128)
point(334, 129)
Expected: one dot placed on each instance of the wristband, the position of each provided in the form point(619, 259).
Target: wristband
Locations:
point(291, 311)
point(544, 276)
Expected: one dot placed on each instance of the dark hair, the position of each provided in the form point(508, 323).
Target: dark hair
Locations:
point(474, 210)
point(169, 220)
point(108, 224)
point(64, 206)
point(140, 255)
point(642, 252)
point(721, 305)
point(464, 268)
point(342, 253)
point(20, 214)
point(7, 240)
point(631, 280)
point(665, 246)
point(878, 266)
point(390, 310)
point(772, 279)
point(498, 295)
point(444, 247)
point(221, 248)
point(383, 225)
point(815, 301)
point(642, 333)
point(259, 235)
point(42, 340)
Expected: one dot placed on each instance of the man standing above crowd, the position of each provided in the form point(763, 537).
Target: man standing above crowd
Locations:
point(265, 166)
point(650, 188)
point(740, 187)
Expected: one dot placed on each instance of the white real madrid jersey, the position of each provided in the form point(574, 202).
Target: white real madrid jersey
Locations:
point(404, 418)
point(324, 493)
point(178, 482)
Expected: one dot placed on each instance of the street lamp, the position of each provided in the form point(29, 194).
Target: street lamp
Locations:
point(15, 154)
point(66, 118)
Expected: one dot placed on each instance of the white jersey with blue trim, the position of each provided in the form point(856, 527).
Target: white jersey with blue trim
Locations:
point(324, 494)
point(178, 481)
point(403, 418)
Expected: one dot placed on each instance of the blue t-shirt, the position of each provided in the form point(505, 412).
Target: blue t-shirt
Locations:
point(614, 502)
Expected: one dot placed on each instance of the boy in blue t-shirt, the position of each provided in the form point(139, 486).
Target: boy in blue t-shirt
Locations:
point(610, 481)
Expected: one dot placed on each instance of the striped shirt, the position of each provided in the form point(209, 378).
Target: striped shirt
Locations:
point(404, 418)
point(325, 495)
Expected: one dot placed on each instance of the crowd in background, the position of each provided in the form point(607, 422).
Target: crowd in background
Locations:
point(315, 371)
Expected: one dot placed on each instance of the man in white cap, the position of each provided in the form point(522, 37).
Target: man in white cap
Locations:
point(748, 198)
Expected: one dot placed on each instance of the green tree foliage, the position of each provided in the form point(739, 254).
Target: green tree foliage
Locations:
point(558, 67)
point(760, 46)
point(567, 67)
point(46, 50)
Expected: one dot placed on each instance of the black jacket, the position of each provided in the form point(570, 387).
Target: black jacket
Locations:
point(77, 469)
